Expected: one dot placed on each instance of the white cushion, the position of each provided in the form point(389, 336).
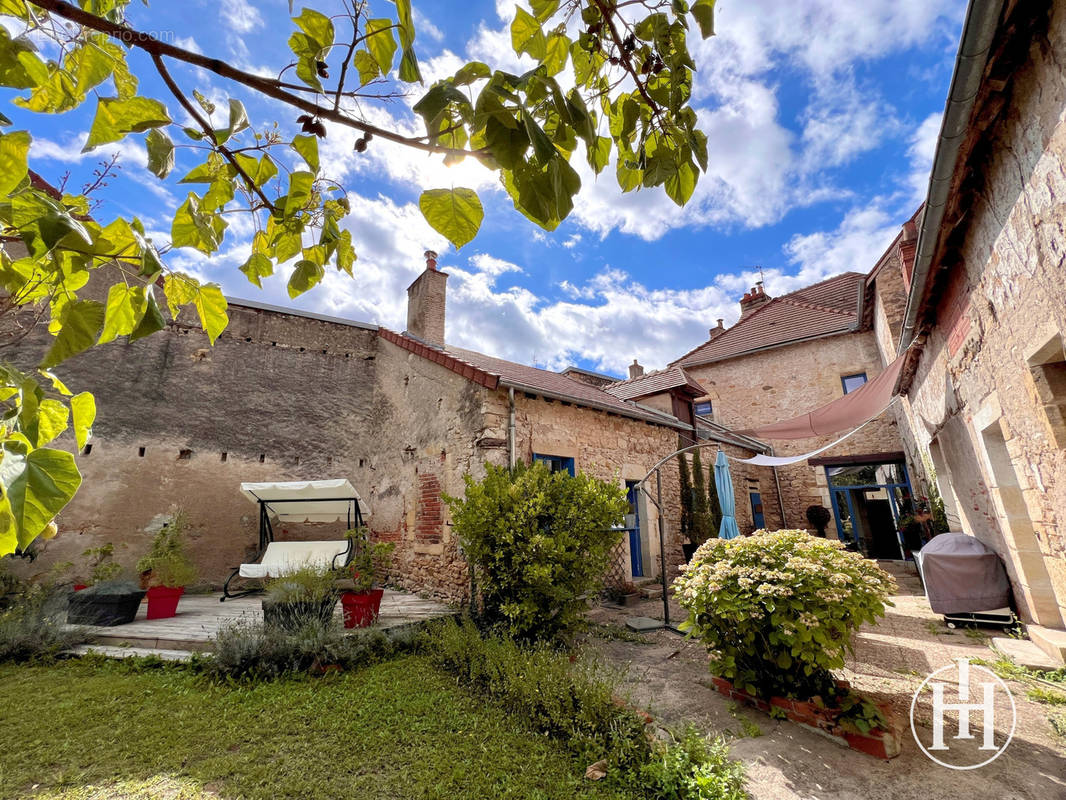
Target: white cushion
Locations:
point(281, 558)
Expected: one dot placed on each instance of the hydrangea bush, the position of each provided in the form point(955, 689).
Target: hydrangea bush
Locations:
point(777, 609)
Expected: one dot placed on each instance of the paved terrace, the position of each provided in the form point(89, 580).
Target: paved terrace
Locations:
point(201, 616)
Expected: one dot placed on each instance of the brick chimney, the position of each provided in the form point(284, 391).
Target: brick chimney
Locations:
point(717, 330)
point(635, 370)
point(425, 303)
point(754, 299)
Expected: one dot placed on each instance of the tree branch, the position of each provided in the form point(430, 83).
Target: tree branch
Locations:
point(147, 42)
point(203, 123)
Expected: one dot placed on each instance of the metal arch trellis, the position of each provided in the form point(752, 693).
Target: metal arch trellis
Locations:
point(658, 501)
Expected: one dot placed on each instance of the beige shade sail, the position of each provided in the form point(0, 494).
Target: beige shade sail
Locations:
point(843, 414)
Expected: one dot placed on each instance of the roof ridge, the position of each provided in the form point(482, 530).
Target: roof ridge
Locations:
point(667, 368)
point(845, 273)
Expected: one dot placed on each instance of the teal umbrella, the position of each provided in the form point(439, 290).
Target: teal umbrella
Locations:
point(724, 485)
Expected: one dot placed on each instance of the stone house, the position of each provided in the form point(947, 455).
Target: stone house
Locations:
point(290, 395)
point(790, 354)
point(985, 381)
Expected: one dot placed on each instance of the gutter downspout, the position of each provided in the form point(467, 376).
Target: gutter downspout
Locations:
point(979, 29)
point(511, 456)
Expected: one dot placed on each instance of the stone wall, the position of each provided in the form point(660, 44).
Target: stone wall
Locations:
point(279, 397)
point(978, 393)
point(777, 384)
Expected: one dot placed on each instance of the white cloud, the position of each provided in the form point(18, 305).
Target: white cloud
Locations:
point(921, 151)
point(855, 245)
point(240, 16)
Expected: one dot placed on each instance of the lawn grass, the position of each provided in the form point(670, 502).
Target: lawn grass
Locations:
point(402, 729)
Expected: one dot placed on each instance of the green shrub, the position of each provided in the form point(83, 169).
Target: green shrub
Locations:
point(32, 626)
point(694, 768)
point(777, 609)
point(574, 703)
point(577, 704)
point(540, 541)
point(254, 651)
point(167, 560)
point(370, 561)
point(102, 567)
point(306, 584)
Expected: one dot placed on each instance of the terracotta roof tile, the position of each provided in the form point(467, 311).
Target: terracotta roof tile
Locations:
point(661, 380)
point(828, 307)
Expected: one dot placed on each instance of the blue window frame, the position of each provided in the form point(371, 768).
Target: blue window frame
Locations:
point(703, 408)
point(555, 463)
point(853, 382)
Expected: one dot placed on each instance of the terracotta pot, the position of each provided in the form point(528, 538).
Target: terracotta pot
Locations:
point(163, 601)
point(361, 609)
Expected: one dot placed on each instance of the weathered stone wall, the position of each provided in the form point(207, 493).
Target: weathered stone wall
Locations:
point(279, 397)
point(428, 423)
point(976, 396)
point(776, 384)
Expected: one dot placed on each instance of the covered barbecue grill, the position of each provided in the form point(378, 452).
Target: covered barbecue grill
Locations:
point(965, 580)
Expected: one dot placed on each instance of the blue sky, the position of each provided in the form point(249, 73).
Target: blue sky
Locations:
point(821, 117)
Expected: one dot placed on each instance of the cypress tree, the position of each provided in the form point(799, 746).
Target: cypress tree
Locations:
point(686, 496)
point(701, 520)
point(715, 505)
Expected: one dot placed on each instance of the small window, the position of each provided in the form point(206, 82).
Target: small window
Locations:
point(853, 382)
point(703, 409)
point(555, 463)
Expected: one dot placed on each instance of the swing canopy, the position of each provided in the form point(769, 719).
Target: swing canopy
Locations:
point(307, 501)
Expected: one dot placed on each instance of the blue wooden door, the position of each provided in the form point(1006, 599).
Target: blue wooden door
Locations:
point(636, 559)
point(756, 510)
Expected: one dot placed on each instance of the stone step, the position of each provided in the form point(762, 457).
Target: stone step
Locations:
point(130, 652)
point(1025, 653)
point(652, 591)
point(1051, 640)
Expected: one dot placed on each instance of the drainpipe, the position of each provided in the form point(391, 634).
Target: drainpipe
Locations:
point(780, 502)
point(982, 19)
point(512, 461)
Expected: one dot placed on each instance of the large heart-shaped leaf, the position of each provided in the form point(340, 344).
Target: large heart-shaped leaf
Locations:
point(37, 483)
point(454, 213)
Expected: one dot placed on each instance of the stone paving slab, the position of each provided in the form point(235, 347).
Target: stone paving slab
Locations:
point(128, 652)
point(201, 616)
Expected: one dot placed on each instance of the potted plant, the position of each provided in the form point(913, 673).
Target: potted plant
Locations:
point(106, 600)
point(370, 562)
point(624, 594)
point(167, 569)
point(305, 595)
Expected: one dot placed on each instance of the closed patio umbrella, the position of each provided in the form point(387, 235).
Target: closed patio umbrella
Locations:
point(724, 485)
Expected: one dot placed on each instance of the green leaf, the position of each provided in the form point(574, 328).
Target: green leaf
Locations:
point(93, 62)
point(453, 213)
point(211, 307)
point(152, 320)
point(160, 153)
point(409, 71)
point(238, 121)
point(125, 307)
point(306, 275)
point(256, 267)
point(83, 413)
point(117, 118)
point(205, 104)
point(51, 420)
point(195, 228)
point(81, 322)
point(14, 149)
point(527, 36)
point(54, 95)
point(556, 53)
point(307, 147)
point(316, 25)
point(703, 11)
point(381, 44)
point(345, 252)
point(366, 66)
point(37, 484)
point(543, 9)
point(180, 290)
point(599, 154)
point(300, 186)
point(20, 68)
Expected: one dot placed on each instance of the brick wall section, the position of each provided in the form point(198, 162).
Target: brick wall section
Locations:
point(1007, 283)
point(429, 519)
point(425, 306)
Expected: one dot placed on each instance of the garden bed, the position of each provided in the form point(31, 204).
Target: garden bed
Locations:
point(877, 742)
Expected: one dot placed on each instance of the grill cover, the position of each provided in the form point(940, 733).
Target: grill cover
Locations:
point(962, 575)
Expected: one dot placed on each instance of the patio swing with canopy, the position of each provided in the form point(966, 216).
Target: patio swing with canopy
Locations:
point(295, 502)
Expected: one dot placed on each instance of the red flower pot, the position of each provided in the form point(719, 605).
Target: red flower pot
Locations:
point(79, 586)
point(163, 601)
point(361, 608)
